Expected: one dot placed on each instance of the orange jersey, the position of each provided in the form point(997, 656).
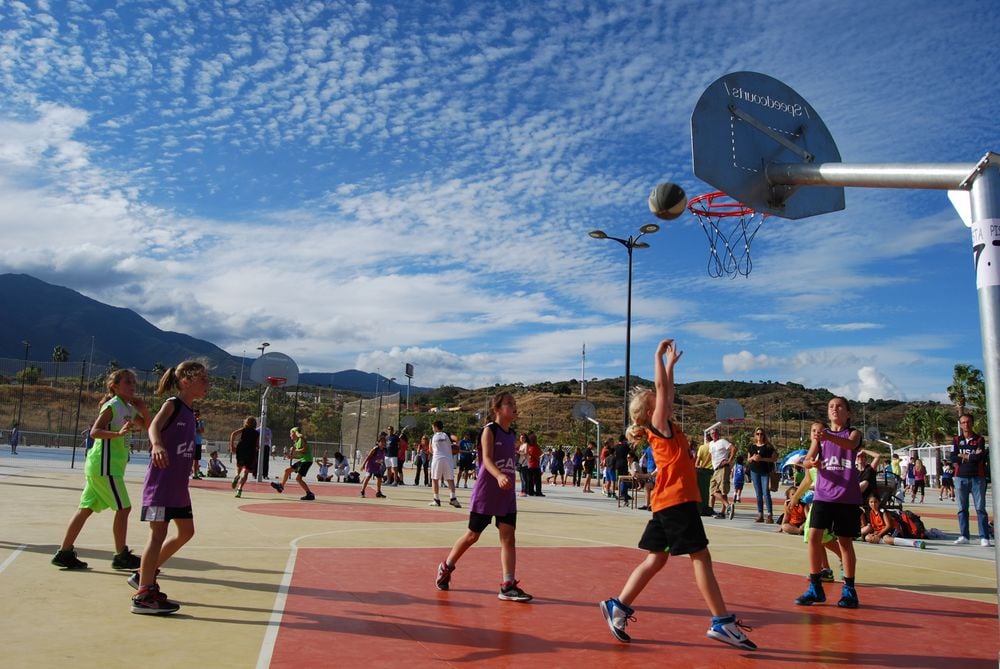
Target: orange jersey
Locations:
point(795, 515)
point(877, 520)
point(676, 482)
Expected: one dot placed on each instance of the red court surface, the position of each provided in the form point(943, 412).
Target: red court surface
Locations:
point(379, 607)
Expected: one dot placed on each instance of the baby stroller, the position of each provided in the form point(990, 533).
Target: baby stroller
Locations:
point(891, 493)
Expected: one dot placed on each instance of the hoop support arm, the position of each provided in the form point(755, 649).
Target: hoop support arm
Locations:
point(939, 176)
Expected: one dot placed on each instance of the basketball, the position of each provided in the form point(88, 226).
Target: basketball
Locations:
point(667, 201)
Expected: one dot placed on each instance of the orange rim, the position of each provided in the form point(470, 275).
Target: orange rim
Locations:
point(718, 205)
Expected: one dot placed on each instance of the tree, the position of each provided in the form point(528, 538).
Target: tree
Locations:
point(936, 423)
point(59, 354)
point(29, 374)
point(967, 384)
point(912, 423)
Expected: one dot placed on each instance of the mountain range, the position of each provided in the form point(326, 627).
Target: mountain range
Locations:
point(46, 316)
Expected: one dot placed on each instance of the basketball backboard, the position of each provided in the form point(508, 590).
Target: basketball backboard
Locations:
point(745, 121)
point(729, 411)
point(275, 365)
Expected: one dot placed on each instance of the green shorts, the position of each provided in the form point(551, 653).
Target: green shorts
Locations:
point(105, 492)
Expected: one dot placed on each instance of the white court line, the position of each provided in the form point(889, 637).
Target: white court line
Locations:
point(274, 622)
point(12, 557)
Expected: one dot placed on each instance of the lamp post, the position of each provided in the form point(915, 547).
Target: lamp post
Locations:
point(24, 374)
point(631, 243)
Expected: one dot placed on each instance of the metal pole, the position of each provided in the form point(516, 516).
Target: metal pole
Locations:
point(628, 337)
point(985, 199)
point(79, 404)
point(24, 374)
point(877, 175)
point(262, 427)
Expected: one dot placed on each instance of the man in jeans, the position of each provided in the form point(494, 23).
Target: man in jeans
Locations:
point(968, 455)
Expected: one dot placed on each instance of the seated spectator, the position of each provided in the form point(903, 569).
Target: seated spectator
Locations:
point(216, 469)
point(878, 526)
point(794, 516)
point(324, 470)
point(341, 468)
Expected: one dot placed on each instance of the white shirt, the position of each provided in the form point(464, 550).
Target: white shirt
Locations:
point(720, 451)
point(441, 445)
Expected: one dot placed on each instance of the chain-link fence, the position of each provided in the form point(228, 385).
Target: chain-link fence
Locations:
point(361, 423)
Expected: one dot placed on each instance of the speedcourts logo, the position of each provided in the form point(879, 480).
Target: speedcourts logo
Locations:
point(794, 110)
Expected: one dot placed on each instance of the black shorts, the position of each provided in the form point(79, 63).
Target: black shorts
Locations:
point(842, 520)
point(166, 513)
point(466, 462)
point(197, 452)
point(947, 483)
point(677, 530)
point(480, 521)
point(301, 467)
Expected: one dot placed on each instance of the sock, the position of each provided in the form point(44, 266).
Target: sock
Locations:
point(722, 620)
point(508, 578)
point(815, 579)
point(849, 581)
point(436, 498)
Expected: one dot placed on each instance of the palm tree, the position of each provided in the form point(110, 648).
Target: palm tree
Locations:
point(965, 383)
point(912, 423)
point(59, 354)
point(936, 423)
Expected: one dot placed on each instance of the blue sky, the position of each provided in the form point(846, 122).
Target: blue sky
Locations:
point(369, 184)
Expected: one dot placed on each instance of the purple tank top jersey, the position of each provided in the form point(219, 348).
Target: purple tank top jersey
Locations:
point(169, 486)
point(838, 480)
point(487, 497)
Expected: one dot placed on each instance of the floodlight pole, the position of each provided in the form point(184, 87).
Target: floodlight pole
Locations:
point(982, 181)
point(631, 243)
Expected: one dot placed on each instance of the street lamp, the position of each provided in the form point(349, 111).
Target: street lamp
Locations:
point(631, 243)
point(24, 374)
point(262, 347)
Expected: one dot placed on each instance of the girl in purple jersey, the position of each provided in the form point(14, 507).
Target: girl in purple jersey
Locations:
point(836, 501)
point(165, 494)
point(493, 497)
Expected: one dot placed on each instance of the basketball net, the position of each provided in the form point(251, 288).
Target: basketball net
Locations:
point(730, 227)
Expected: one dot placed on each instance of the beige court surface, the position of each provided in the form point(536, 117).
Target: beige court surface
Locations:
point(269, 580)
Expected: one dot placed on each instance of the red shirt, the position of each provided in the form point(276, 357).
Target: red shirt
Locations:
point(534, 456)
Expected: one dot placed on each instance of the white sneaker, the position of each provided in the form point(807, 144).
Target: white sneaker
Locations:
point(960, 541)
point(984, 542)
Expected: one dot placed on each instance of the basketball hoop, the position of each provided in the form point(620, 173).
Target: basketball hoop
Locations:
point(276, 381)
point(731, 225)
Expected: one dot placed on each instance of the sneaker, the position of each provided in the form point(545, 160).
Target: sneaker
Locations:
point(848, 598)
point(731, 511)
point(826, 574)
point(617, 616)
point(454, 502)
point(719, 515)
point(380, 495)
point(308, 497)
point(67, 560)
point(811, 596)
point(151, 601)
point(278, 486)
point(961, 540)
point(510, 592)
point(239, 493)
point(133, 580)
point(361, 494)
point(125, 560)
point(984, 542)
point(443, 576)
point(435, 502)
point(730, 630)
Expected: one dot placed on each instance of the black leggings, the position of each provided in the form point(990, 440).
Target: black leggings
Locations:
point(421, 463)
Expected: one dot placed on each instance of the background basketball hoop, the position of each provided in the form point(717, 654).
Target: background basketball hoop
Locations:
point(730, 227)
point(276, 381)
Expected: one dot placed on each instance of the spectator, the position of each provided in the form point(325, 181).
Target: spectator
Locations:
point(866, 476)
point(466, 458)
point(422, 460)
point(589, 460)
point(723, 455)
point(216, 469)
point(534, 466)
point(323, 474)
point(762, 458)
point(947, 481)
point(878, 526)
point(739, 479)
point(968, 455)
point(794, 516)
point(576, 463)
point(15, 437)
point(919, 480)
point(341, 468)
point(199, 436)
point(404, 446)
point(703, 470)
point(622, 451)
